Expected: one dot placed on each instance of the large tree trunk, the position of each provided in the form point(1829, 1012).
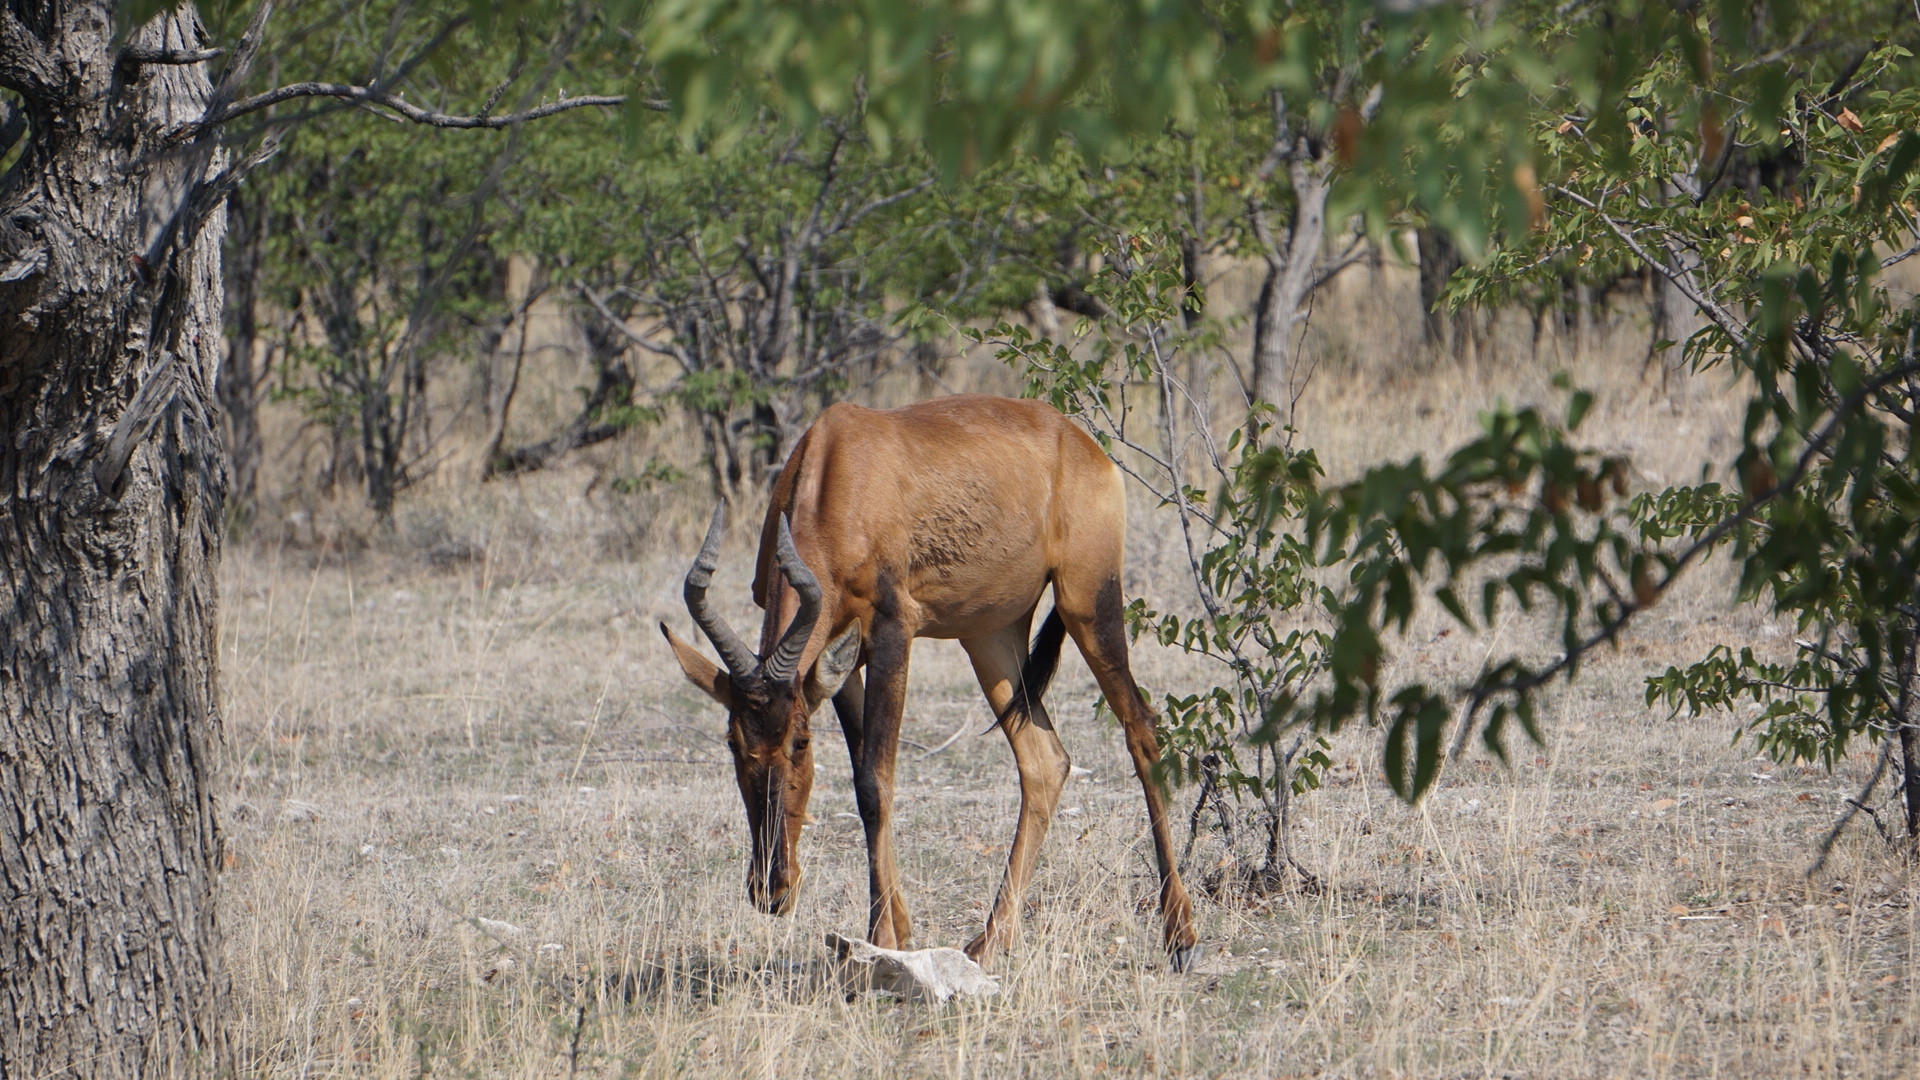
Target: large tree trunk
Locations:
point(1439, 258)
point(240, 372)
point(1193, 255)
point(1291, 264)
point(111, 495)
point(1273, 335)
point(1674, 317)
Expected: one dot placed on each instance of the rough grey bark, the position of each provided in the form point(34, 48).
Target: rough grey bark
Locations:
point(1676, 318)
point(1295, 253)
point(240, 368)
point(1193, 251)
point(111, 495)
point(1439, 258)
point(1910, 778)
point(1293, 257)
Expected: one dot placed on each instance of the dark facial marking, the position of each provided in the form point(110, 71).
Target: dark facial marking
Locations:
point(770, 742)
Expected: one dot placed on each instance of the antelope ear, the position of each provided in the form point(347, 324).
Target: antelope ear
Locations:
point(836, 662)
point(701, 671)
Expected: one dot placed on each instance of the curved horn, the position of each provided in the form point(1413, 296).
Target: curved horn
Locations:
point(784, 663)
point(739, 659)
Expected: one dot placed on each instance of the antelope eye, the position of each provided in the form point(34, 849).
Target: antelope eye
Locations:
point(800, 745)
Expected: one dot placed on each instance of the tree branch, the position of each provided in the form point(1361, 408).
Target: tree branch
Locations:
point(880, 203)
point(1479, 695)
point(1282, 146)
point(370, 97)
point(675, 352)
point(373, 96)
point(1854, 806)
point(1355, 251)
point(214, 190)
point(135, 55)
point(1681, 279)
point(241, 65)
point(1902, 256)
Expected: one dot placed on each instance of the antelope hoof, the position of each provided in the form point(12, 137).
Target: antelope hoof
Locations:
point(1183, 957)
point(981, 951)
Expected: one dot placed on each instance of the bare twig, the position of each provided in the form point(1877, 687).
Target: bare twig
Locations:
point(1215, 611)
point(599, 305)
point(1680, 278)
point(1854, 806)
point(244, 52)
point(513, 383)
point(1327, 270)
point(881, 203)
point(1901, 257)
point(951, 739)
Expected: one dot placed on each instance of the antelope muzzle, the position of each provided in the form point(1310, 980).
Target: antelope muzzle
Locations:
point(776, 808)
point(773, 874)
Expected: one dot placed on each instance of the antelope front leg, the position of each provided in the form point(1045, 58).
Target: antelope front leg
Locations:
point(888, 925)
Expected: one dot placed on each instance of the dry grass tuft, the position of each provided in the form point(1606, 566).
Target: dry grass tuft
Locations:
point(479, 825)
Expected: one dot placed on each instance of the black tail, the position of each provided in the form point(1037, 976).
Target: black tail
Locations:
point(1042, 658)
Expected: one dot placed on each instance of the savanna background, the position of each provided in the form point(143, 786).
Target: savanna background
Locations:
point(466, 719)
point(480, 391)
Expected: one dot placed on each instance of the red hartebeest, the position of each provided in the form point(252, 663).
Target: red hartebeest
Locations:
point(944, 519)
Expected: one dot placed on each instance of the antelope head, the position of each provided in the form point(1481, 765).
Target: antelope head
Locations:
point(770, 704)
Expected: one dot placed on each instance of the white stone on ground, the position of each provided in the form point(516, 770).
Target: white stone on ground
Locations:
point(935, 975)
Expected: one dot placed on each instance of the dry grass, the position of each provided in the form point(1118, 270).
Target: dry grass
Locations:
point(475, 720)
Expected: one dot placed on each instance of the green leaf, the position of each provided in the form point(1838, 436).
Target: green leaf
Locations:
point(1577, 408)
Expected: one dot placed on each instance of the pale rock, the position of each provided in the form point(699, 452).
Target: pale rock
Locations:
point(934, 975)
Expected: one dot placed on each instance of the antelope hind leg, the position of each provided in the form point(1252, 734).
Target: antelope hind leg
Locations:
point(1093, 618)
